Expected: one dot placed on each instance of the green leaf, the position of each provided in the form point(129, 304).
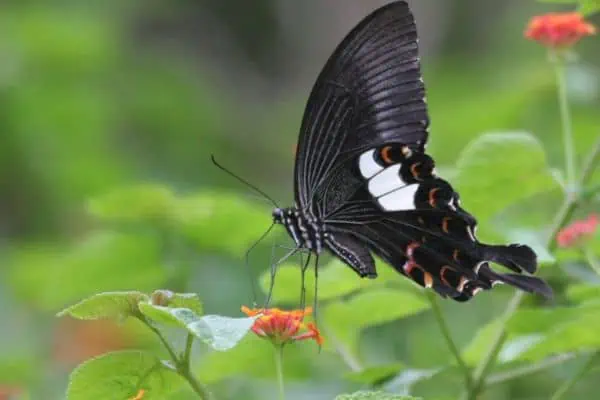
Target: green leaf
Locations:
point(589, 7)
point(560, 1)
point(375, 376)
point(177, 300)
point(101, 262)
point(537, 333)
point(373, 396)
point(207, 218)
point(578, 335)
point(335, 280)
point(179, 317)
point(253, 357)
point(344, 319)
point(120, 375)
point(582, 292)
point(221, 333)
point(141, 203)
point(115, 305)
point(499, 169)
point(480, 343)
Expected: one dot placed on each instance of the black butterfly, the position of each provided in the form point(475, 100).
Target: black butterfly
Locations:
point(364, 184)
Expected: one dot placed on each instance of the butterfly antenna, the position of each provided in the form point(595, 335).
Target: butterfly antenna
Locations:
point(247, 258)
point(245, 182)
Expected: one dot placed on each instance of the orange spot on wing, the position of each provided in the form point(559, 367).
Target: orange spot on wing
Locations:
point(445, 224)
point(442, 271)
point(413, 170)
point(455, 255)
point(432, 193)
point(461, 284)
point(428, 279)
point(385, 155)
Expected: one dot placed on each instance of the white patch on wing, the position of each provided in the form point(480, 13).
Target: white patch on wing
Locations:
point(367, 164)
point(471, 234)
point(386, 181)
point(399, 200)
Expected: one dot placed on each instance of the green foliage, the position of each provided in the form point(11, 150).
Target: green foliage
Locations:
point(586, 7)
point(499, 169)
point(141, 203)
point(115, 305)
point(344, 319)
point(203, 218)
point(335, 280)
point(375, 376)
point(93, 101)
point(253, 357)
point(373, 396)
point(175, 300)
point(103, 260)
point(120, 375)
point(221, 333)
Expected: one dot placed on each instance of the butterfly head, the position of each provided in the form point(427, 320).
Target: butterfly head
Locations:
point(278, 215)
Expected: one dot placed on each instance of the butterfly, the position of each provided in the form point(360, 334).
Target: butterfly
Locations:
point(364, 184)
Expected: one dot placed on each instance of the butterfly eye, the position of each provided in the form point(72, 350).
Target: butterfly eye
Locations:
point(277, 214)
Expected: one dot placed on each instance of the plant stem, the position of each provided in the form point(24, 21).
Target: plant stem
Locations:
point(568, 385)
point(350, 359)
point(562, 219)
point(488, 361)
point(182, 364)
point(164, 341)
point(591, 259)
point(550, 362)
point(565, 118)
point(439, 316)
point(187, 355)
point(279, 370)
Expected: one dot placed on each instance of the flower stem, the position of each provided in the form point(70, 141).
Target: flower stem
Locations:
point(182, 364)
point(564, 215)
point(565, 118)
point(568, 385)
point(279, 370)
point(439, 316)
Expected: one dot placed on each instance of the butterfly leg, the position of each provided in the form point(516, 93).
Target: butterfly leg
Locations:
point(303, 270)
point(274, 271)
point(316, 297)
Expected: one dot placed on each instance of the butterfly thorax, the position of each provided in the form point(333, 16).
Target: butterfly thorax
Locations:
point(303, 227)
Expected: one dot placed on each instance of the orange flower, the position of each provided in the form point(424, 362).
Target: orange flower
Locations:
point(282, 327)
point(558, 29)
point(573, 233)
point(139, 395)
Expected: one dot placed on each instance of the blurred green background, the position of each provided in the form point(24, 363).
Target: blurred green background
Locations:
point(97, 96)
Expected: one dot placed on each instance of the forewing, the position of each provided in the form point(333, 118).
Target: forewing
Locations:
point(370, 92)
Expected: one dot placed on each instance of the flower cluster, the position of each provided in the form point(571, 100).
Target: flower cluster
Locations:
point(558, 30)
point(578, 230)
point(283, 327)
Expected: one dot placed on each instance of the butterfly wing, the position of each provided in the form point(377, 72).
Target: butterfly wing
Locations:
point(361, 169)
point(370, 92)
